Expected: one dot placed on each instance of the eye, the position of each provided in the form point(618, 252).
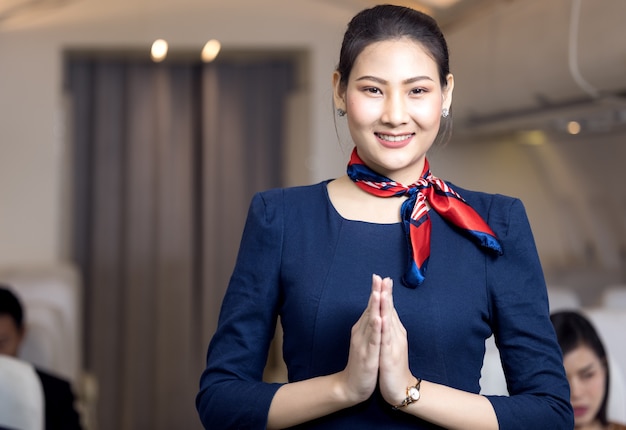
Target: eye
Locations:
point(372, 90)
point(588, 374)
point(418, 91)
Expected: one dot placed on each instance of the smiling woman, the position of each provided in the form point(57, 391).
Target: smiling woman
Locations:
point(395, 96)
point(387, 280)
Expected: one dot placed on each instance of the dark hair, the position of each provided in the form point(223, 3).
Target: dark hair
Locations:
point(385, 22)
point(10, 305)
point(574, 330)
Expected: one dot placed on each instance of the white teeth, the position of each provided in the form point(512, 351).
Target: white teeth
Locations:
point(390, 138)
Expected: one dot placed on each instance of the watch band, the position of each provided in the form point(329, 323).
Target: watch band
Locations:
point(412, 395)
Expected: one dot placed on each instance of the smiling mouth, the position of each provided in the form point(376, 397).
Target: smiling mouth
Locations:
point(390, 138)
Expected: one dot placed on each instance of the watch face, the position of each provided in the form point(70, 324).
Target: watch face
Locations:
point(414, 394)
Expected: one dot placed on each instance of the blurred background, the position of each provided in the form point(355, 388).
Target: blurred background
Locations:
point(133, 134)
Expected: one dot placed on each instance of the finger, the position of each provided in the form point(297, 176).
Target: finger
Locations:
point(394, 348)
point(377, 282)
point(392, 328)
point(388, 307)
point(374, 316)
point(373, 304)
point(369, 321)
point(386, 312)
point(386, 297)
point(366, 333)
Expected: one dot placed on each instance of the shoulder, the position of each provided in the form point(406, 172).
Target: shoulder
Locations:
point(498, 210)
point(304, 196)
point(53, 383)
point(616, 426)
point(269, 210)
point(294, 193)
point(49, 378)
point(59, 399)
point(485, 202)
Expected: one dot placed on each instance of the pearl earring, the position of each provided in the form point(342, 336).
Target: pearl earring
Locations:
point(445, 112)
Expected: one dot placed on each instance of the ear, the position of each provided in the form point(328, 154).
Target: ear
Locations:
point(447, 92)
point(339, 93)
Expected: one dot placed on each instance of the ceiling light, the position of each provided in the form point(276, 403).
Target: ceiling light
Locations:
point(573, 127)
point(210, 50)
point(159, 50)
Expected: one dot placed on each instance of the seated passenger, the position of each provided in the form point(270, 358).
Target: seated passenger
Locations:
point(586, 366)
point(60, 413)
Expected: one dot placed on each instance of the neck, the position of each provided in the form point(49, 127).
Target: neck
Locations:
point(353, 203)
point(594, 425)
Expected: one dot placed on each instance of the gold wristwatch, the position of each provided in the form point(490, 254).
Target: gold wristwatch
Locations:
point(412, 395)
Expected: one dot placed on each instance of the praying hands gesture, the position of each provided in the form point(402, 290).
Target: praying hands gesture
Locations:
point(378, 349)
point(378, 354)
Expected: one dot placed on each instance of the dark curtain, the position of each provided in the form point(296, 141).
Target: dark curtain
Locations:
point(166, 159)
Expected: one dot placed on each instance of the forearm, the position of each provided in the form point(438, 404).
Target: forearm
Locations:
point(453, 409)
point(302, 401)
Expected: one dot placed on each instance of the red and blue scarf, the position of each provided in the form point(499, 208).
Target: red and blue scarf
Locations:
point(414, 213)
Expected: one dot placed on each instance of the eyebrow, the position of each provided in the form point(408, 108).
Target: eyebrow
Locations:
point(587, 368)
point(406, 81)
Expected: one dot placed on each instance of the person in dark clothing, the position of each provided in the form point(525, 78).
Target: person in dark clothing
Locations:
point(60, 412)
point(387, 280)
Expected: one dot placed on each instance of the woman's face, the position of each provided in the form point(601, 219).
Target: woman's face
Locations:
point(586, 374)
point(393, 101)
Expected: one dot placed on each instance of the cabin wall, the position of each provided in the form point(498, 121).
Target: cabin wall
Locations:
point(571, 186)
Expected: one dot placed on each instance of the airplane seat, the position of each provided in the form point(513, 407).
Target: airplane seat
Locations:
point(52, 301)
point(614, 297)
point(562, 298)
point(51, 298)
point(21, 395)
point(492, 380)
point(610, 324)
point(616, 406)
point(44, 343)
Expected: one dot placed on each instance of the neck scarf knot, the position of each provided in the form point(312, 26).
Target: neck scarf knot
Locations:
point(414, 213)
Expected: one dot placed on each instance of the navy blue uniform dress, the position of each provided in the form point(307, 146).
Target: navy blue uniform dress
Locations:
point(300, 260)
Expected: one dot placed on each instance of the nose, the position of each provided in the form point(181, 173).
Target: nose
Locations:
point(394, 111)
point(575, 388)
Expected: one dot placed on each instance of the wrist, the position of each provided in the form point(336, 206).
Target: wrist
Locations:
point(412, 395)
point(345, 393)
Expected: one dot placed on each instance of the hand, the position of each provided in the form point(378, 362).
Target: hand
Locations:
point(361, 372)
point(394, 372)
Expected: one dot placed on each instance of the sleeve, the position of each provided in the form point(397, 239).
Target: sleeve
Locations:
point(531, 358)
point(232, 394)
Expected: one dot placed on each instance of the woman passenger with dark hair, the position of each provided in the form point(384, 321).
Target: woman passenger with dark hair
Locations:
point(586, 366)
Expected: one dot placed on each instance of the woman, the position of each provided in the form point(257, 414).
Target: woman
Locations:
point(371, 338)
point(587, 370)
